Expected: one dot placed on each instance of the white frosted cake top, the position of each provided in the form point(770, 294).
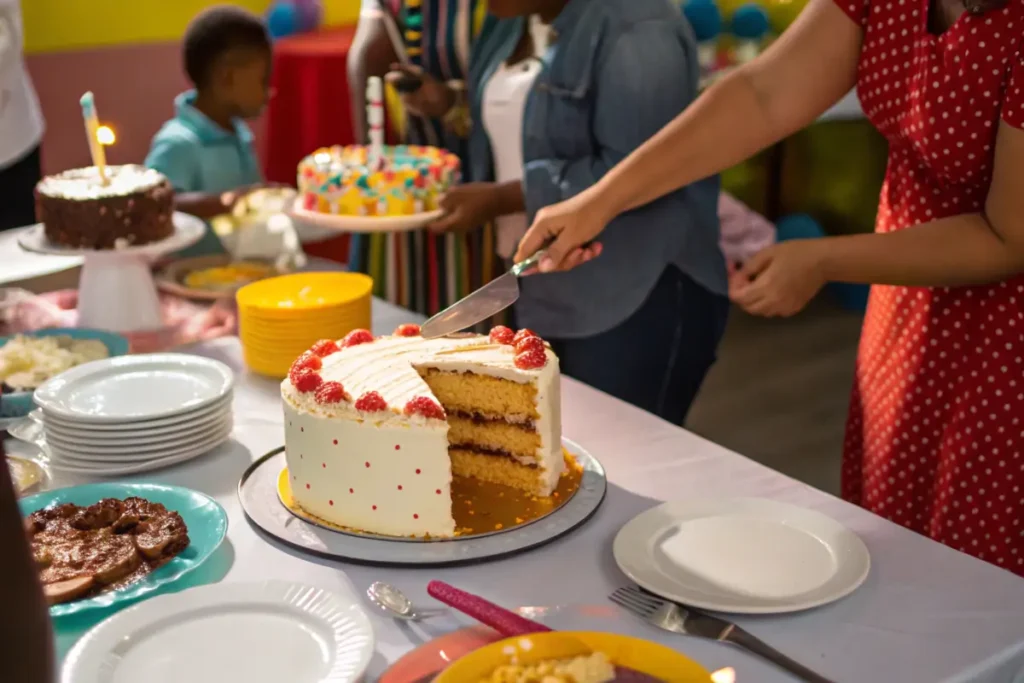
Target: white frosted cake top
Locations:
point(388, 366)
point(84, 183)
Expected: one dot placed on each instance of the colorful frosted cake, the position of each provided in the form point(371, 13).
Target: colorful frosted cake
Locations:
point(375, 428)
point(405, 180)
point(134, 207)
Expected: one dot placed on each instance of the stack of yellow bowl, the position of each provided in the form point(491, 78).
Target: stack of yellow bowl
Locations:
point(279, 318)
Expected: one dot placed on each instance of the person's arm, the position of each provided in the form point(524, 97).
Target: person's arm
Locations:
point(26, 639)
point(969, 249)
point(809, 68)
point(371, 54)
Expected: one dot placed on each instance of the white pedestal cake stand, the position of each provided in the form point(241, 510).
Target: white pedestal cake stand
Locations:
point(116, 291)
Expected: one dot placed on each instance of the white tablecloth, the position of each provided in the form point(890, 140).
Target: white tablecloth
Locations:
point(925, 614)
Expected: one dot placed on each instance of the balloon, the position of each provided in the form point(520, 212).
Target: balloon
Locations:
point(282, 20)
point(750, 22)
point(705, 19)
point(311, 13)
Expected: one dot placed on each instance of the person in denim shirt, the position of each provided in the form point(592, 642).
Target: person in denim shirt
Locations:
point(642, 322)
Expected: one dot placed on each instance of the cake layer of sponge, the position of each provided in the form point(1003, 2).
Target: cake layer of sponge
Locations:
point(497, 470)
point(472, 394)
point(520, 441)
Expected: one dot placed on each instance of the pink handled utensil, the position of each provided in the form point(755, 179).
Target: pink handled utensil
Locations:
point(505, 622)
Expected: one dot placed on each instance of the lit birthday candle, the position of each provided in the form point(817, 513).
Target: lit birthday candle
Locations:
point(375, 119)
point(92, 132)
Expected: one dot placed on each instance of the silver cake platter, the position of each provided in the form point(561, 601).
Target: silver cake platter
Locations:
point(258, 494)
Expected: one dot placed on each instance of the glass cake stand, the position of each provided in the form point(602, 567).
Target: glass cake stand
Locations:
point(116, 290)
point(363, 223)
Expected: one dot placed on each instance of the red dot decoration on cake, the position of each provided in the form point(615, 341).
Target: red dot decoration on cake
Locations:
point(415, 516)
point(330, 392)
point(399, 487)
point(324, 465)
point(351, 490)
point(427, 407)
point(324, 347)
point(307, 487)
point(356, 337)
point(367, 463)
point(438, 492)
point(407, 330)
point(397, 447)
point(529, 344)
point(372, 402)
point(335, 442)
point(374, 507)
point(418, 471)
point(331, 503)
point(501, 335)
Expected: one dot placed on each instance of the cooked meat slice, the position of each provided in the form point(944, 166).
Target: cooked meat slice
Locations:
point(143, 508)
point(127, 522)
point(114, 559)
point(43, 557)
point(101, 514)
point(66, 591)
point(162, 537)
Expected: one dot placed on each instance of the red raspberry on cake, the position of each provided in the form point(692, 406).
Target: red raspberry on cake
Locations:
point(428, 408)
point(330, 392)
point(306, 361)
point(324, 347)
point(529, 344)
point(371, 402)
point(407, 330)
point(356, 337)
point(501, 335)
point(531, 359)
point(522, 334)
point(306, 380)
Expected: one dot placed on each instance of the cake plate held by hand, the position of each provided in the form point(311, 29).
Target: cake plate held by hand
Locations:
point(116, 289)
point(258, 494)
point(346, 223)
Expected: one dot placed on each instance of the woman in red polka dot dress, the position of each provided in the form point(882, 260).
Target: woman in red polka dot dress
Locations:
point(935, 437)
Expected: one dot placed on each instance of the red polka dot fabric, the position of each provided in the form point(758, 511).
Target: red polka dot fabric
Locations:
point(935, 435)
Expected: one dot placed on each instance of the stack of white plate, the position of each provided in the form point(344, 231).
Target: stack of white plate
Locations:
point(135, 413)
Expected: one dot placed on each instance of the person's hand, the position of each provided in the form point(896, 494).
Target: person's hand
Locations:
point(432, 99)
point(780, 280)
point(570, 227)
point(466, 207)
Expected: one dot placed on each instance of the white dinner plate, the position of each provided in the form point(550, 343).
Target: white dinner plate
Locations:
point(166, 424)
point(68, 462)
point(742, 555)
point(246, 632)
point(133, 437)
point(143, 450)
point(135, 388)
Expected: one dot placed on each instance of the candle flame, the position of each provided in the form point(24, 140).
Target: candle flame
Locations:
point(105, 135)
point(726, 675)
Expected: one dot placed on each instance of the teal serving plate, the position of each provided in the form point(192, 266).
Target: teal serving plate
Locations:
point(19, 404)
point(206, 521)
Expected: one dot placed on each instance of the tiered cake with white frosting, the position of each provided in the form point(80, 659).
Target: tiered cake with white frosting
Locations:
point(376, 428)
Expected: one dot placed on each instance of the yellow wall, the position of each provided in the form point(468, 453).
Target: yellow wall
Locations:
point(63, 25)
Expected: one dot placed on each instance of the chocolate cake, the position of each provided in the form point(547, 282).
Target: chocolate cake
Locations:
point(77, 210)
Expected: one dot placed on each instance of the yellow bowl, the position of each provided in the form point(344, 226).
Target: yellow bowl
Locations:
point(641, 655)
point(304, 293)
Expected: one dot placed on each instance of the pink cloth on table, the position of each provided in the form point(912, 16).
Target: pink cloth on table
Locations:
point(744, 232)
point(185, 321)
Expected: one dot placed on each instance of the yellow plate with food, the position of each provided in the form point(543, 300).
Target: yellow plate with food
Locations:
point(573, 657)
point(212, 277)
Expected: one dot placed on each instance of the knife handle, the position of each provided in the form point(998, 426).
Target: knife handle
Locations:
point(755, 646)
point(500, 619)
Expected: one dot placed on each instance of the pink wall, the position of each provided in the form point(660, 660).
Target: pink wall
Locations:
point(134, 86)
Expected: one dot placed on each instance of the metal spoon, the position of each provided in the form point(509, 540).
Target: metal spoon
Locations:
point(395, 604)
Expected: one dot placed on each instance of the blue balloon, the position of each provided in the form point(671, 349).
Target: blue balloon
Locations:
point(283, 20)
point(750, 22)
point(797, 226)
point(705, 18)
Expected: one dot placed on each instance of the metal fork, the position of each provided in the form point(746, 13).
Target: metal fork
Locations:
point(688, 621)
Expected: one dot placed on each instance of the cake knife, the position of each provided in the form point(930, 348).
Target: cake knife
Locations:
point(489, 300)
point(510, 624)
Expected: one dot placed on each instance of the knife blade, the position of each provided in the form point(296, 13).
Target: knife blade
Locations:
point(489, 300)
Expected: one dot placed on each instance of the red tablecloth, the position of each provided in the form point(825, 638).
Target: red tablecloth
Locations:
point(310, 109)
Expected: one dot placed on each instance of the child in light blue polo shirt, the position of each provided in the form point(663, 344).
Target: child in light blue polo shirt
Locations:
point(206, 150)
